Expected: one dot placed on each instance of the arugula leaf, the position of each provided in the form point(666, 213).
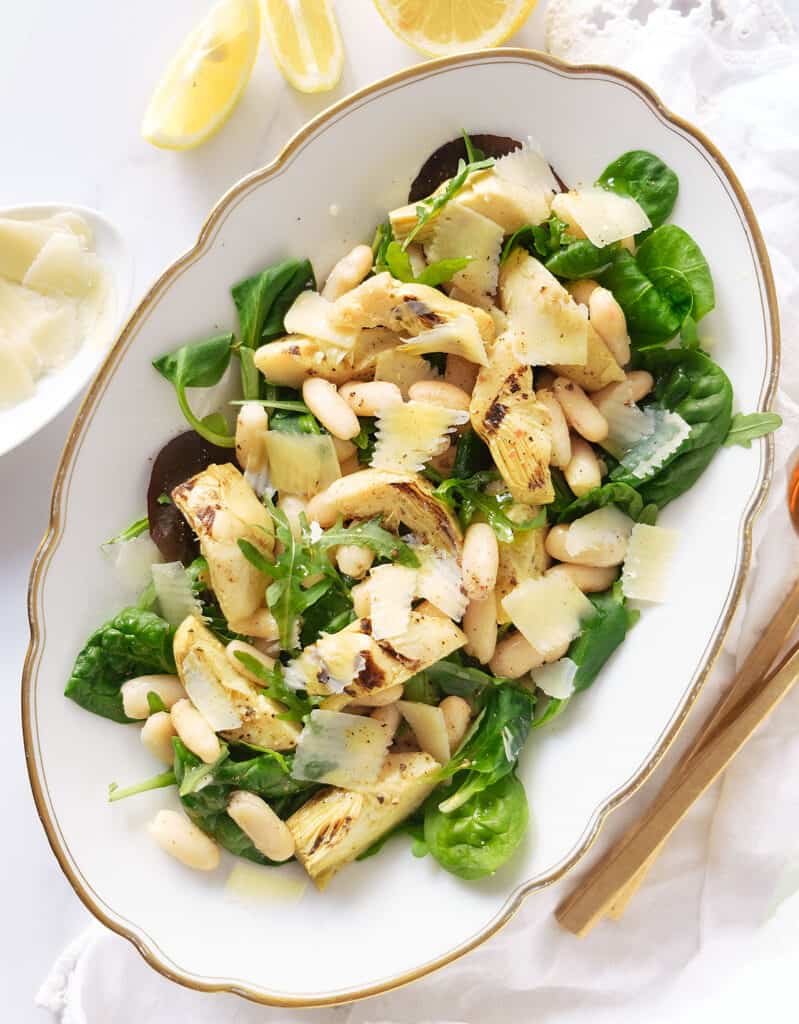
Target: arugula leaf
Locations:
point(601, 634)
point(160, 781)
point(369, 534)
point(430, 207)
point(540, 240)
point(134, 530)
point(262, 302)
point(674, 263)
point(331, 613)
point(297, 707)
point(275, 403)
point(384, 235)
point(200, 365)
point(471, 455)
point(644, 177)
point(745, 429)
point(466, 496)
point(135, 642)
point(455, 677)
point(621, 494)
point(473, 153)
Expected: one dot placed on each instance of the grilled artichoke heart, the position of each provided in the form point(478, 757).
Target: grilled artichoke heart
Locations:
point(374, 665)
point(523, 559)
point(505, 413)
point(290, 360)
point(410, 309)
point(199, 653)
point(399, 498)
point(221, 508)
point(336, 825)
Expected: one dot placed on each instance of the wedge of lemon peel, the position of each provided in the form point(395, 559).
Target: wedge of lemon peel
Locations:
point(440, 27)
point(206, 77)
point(305, 41)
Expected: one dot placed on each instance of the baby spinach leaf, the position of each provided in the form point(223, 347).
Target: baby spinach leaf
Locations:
point(455, 677)
point(200, 365)
point(398, 264)
point(644, 177)
point(602, 633)
point(421, 689)
point(745, 429)
point(161, 781)
point(540, 240)
point(652, 316)
point(467, 497)
point(482, 833)
point(471, 455)
point(135, 642)
point(674, 263)
point(430, 207)
point(331, 613)
point(581, 259)
point(695, 387)
point(623, 495)
point(492, 748)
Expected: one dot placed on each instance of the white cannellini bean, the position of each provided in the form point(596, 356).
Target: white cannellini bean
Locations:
point(156, 736)
point(480, 561)
point(282, 364)
point(579, 410)
point(362, 600)
point(240, 647)
point(345, 450)
point(180, 838)
point(260, 624)
point(610, 554)
point(195, 732)
point(134, 693)
point(480, 626)
point(382, 698)
point(515, 656)
point(370, 398)
point(581, 290)
point(354, 560)
point(271, 836)
point(591, 579)
point(348, 272)
point(293, 505)
point(583, 472)
point(330, 408)
point(320, 509)
point(637, 385)
point(457, 715)
point(461, 373)
point(608, 320)
point(558, 429)
point(389, 717)
point(440, 392)
point(252, 424)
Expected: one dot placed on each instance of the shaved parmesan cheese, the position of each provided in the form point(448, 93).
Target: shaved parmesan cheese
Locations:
point(310, 315)
point(403, 369)
point(409, 435)
point(68, 220)
point(207, 694)
point(56, 335)
point(548, 612)
point(646, 567)
point(340, 657)
point(425, 640)
point(429, 728)
point(62, 267)
point(458, 337)
point(556, 679)
point(604, 216)
point(440, 581)
point(459, 233)
point(340, 749)
point(392, 588)
point(16, 379)
point(301, 463)
point(527, 167)
point(509, 204)
point(174, 592)
point(667, 433)
point(20, 244)
point(548, 327)
point(602, 531)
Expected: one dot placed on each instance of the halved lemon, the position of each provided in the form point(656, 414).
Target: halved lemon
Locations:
point(441, 27)
point(206, 77)
point(306, 42)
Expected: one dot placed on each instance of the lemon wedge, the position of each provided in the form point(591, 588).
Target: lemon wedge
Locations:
point(206, 77)
point(306, 42)
point(441, 27)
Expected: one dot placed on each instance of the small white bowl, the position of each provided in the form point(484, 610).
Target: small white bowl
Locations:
point(55, 390)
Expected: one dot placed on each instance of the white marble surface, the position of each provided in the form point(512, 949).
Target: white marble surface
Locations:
point(75, 78)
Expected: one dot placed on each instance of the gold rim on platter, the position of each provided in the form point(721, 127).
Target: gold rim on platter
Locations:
point(146, 946)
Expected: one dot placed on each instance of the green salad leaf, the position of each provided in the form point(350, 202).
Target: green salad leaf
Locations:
point(398, 263)
point(645, 178)
point(745, 429)
point(467, 497)
point(601, 634)
point(297, 706)
point(199, 365)
point(135, 642)
point(368, 534)
point(581, 259)
point(428, 208)
point(136, 528)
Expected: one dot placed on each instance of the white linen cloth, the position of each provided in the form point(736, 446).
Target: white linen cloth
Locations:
point(723, 888)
